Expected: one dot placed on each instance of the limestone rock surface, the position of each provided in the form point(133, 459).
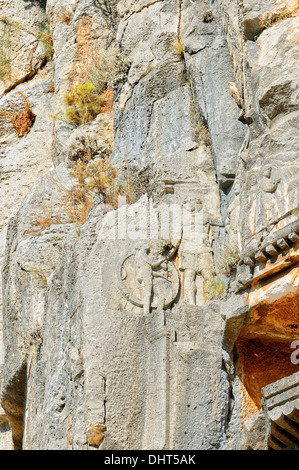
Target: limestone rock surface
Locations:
point(153, 304)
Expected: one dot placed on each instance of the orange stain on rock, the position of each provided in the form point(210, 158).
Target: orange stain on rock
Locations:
point(263, 350)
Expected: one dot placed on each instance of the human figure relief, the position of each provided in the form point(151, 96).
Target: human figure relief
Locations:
point(269, 184)
point(145, 264)
point(149, 278)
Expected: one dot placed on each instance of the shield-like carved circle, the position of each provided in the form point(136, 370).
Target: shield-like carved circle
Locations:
point(165, 282)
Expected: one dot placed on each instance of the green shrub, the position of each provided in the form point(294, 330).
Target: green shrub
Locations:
point(216, 289)
point(84, 104)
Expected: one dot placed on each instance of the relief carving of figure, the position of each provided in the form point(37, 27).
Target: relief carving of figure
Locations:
point(268, 200)
point(198, 271)
point(146, 270)
point(269, 183)
point(149, 279)
point(190, 286)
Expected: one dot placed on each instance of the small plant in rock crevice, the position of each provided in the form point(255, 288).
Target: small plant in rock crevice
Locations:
point(111, 72)
point(119, 305)
point(63, 17)
point(120, 72)
point(200, 131)
point(165, 246)
point(216, 289)
point(228, 260)
point(108, 9)
point(277, 18)
point(31, 340)
point(40, 276)
point(4, 63)
point(45, 38)
point(207, 16)
point(74, 201)
point(85, 149)
point(8, 26)
point(76, 204)
point(43, 217)
point(51, 88)
point(202, 134)
point(178, 48)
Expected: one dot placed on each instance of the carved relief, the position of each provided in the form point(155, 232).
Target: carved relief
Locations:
point(149, 279)
point(269, 183)
point(198, 271)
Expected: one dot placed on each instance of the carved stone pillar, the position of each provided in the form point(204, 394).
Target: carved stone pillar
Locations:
point(156, 433)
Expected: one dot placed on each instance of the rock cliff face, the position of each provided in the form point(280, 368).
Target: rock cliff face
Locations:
point(150, 302)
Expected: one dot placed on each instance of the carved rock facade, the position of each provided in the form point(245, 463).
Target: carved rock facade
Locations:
point(172, 322)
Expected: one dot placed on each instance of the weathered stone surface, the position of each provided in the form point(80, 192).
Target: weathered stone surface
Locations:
point(253, 436)
point(21, 26)
point(211, 62)
point(158, 324)
point(281, 403)
point(81, 35)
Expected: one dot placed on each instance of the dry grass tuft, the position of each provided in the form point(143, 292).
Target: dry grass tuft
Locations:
point(178, 48)
point(22, 121)
point(101, 178)
point(4, 63)
point(277, 18)
point(43, 219)
point(229, 260)
point(76, 203)
point(64, 16)
point(202, 134)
